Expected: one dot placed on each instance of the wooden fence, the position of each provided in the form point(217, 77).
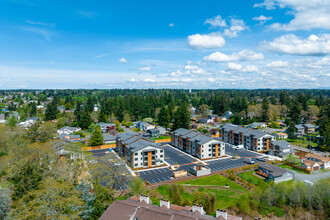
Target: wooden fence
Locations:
point(163, 140)
point(99, 147)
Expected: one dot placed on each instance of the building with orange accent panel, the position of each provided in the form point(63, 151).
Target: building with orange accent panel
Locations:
point(139, 152)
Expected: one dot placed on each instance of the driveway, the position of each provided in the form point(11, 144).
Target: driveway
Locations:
point(313, 177)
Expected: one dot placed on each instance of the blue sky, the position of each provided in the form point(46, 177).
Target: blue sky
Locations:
point(165, 44)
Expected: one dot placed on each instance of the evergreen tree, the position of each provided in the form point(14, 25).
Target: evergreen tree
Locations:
point(265, 109)
point(164, 117)
point(182, 117)
point(85, 119)
point(12, 122)
point(77, 111)
point(295, 112)
point(51, 111)
point(96, 138)
point(90, 104)
point(33, 109)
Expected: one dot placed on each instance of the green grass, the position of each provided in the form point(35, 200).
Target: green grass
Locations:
point(250, 177)
point(161, 138)
point(301, 142)
point(285, 166)
point(215, 180)
point(136, 129)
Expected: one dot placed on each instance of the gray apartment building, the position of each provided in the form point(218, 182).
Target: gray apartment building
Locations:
point(139, 152)
point(197, 144)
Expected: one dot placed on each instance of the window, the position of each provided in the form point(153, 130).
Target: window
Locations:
point(136, 154)
point(161, 151)
point(136, 159)
point(209, 155)
point(210, 149)
point(136, 165)
point(161, 155)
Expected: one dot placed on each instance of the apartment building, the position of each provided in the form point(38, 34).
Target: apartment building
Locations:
point(252, 139)
point(139, 152)
point(257, 140)
point(197, 144)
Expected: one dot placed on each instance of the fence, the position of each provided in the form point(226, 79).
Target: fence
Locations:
point(99, 147)
point(163, 140)
point(298, 167)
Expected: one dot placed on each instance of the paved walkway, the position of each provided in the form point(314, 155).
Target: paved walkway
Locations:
point(313, 177)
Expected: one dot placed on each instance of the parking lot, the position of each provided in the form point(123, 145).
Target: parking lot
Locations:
point(173, 156)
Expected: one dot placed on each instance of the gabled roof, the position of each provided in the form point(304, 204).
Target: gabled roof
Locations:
point(108, 137)
point(274, 170)
point(308, 125)
point(229, 127)
point(319, 157)
point(181, 131)
point(140, 144)
point(310, 163)
point(282, 144)
point(256, 133)
point(299, 126)
point(242, 130)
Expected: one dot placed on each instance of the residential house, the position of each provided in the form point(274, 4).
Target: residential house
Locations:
point(141, 208)
point(281, 135)
point(309, 128)
point(257, 125)
point(194, 126)
point(2, 119)
point(68, 130)
point(212, 117)
point(310, 165)
point(197, 144)
point(154, 132)
point(204, 120)
point(108, 138)
point(147, 126)
point(140, 124)
point(274, 173)
point(162, 130)
point(30, 121)
point(324, 162)
point(300, 130)
point(106, 127)
point(139, 152)
point(281, 149)
point(228, 114)
point(257, 140)
point(61, 108)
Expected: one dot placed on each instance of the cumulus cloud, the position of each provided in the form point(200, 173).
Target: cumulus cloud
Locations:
point(236, 26)
point(250, 69)
point(308, 14)
point(122, 60)
point(239, 56)
point(206, 41)
point(148, 80)
point(292, 44)
point(234, 66)
point(132, 80)
point(144, 68)
point(262, 19)
point(216, 21)
point(278, 64)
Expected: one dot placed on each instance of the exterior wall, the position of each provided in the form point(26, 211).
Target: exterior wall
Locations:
point(286, 177)
point(147, 157)
point(201, 172)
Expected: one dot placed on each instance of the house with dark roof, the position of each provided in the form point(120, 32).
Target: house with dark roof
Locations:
point(108, 138)
point(300, 130)
point(274, 173)
point(256, 125)
point(105, 127)
point(141, 208)
point(154, 132)
point(281, 148)
point(197, 144)
point(309, 128)
point(68, 130)
point(138, 151)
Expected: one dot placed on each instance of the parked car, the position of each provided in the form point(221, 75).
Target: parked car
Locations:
point(249, 161)
point(241, 146)
point(262, 159)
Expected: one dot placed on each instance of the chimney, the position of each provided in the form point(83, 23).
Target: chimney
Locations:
point(165, 202)
point(222, 213)
point(198, 208)
point(144, 198)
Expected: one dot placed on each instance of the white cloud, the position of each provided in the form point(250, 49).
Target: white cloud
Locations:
point(250, 68)
point(211, 80)
point(132, 80)
point(292, 44)
point(148, 80)
point(240, 56)
point(216, 21)
point(234, 66)
point(122, 60)
point(236, 27)
point(171, 25)
point(278, 64)
point(144, 68)
point(262, 19)
point(101, 55)
point(308, 14)
point(206, 41)
point(40, 23)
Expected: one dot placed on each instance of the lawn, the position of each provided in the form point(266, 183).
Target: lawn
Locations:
point(215, 180)
point(136, 129)
point(161, 138)
point(301, 142)
point(250, 177)
point(285, 166)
